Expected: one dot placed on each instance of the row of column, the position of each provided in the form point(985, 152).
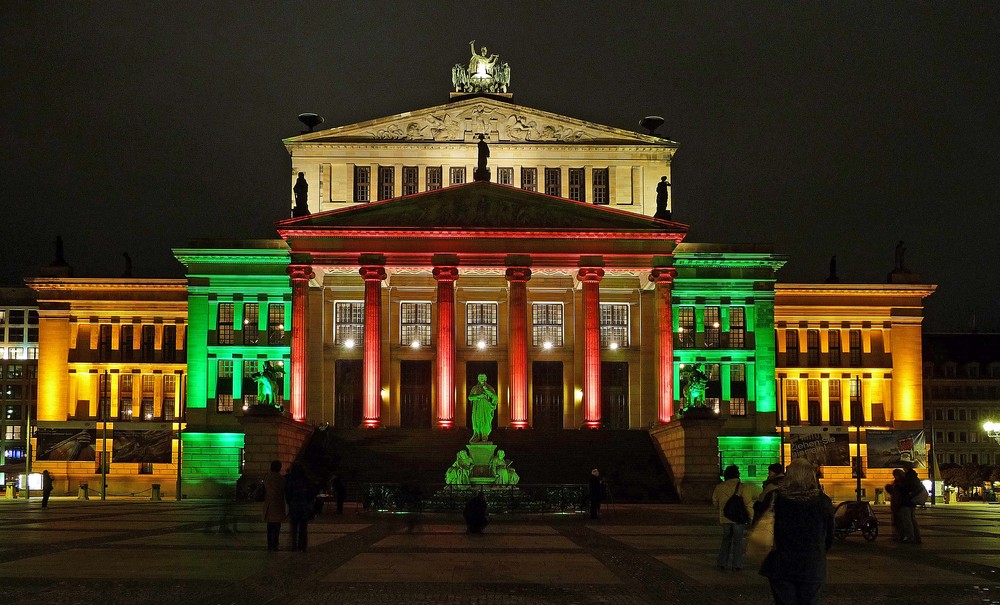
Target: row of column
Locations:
point(517, 278)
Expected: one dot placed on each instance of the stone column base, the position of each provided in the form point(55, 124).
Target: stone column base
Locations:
point(690, 448)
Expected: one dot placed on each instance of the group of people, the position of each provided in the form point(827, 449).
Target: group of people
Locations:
point(803, 528)
point(292, 496)
point(904, 495)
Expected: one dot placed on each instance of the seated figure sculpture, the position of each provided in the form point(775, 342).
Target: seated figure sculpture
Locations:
point(503, 470)
point(458, 472)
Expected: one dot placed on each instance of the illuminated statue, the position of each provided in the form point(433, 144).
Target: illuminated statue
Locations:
point(481, 65)
point(484, 73)
point(484, 400)
point(458, 473)
point(502, 469)
point(695, 382)
point(267, 384)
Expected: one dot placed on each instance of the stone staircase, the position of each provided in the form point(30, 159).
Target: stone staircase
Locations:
point(628, 460)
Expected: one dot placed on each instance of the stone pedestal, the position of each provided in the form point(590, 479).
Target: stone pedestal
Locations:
point(690, 449)
point(481, 454)
point(271, 437)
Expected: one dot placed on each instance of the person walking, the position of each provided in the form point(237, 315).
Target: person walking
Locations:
point(733, 529)
point(273, 505)
point(803, 533)
point(775, 475)
point(46, 488)
point(300, 494)
point(596, 493)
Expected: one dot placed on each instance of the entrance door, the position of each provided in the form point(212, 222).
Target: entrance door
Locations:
point(547, 395)
point(614, 394)
point(415, 394)
point(347, 408)
point(472, 371)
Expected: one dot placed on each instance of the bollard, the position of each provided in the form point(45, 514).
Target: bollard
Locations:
point(84, 492)
point(155, 496)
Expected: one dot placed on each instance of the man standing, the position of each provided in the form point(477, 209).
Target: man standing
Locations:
point(596, 493)
point(273, 506)
point(46, 488)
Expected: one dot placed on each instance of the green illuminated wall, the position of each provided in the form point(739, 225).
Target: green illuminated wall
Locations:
point(751, 454)
point(211, 462)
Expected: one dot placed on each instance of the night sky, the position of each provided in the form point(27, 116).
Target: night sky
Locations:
point(823, 128)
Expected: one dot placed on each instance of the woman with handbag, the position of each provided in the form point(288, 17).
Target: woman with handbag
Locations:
point(803, 533)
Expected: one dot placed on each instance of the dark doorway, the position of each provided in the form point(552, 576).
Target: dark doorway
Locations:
point(415, 394)
point(472, 371)
point(547, 395)
point(614, 394)
point(347, 407)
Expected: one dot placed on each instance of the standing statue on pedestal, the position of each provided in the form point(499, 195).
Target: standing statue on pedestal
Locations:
point(694, 382)
point(662, 195)
point(482, 173)
point(900, 253)
point(267, 384)
point(484, 400)
point(301, 190)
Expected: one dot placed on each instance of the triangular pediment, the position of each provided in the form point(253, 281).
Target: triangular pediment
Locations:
point(501, 121)
point(487, 207)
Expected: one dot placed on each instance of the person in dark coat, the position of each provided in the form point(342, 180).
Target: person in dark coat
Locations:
point(273, 505)
point(476, 519)
point(775, 476)
point(300, 493)
point(46, 488)
point(596, 493)
point(803, 533)
point(896, 495)
point(340, 492)
point(911, 486)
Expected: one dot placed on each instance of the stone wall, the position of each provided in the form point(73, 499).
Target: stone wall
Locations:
point(690, 449)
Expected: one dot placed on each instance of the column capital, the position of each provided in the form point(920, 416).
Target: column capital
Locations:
point(304, 272)
point(590, 274)
point(663, 275)
point(372, 272)
point(518, 274)
point(445, 273)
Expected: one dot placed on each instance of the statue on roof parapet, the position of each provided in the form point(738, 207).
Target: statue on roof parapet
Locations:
point(301, 190)
point(484, 74)
point(482, 173)
point(662, 195)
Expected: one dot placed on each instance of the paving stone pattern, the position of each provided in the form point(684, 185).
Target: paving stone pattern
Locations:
point(131, 551)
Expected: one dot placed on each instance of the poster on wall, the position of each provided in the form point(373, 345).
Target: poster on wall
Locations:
point(895, 449)
point(823, 446)
point(70, 445)
point(141, 446)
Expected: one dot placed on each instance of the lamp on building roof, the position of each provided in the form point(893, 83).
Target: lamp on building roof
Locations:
point(651, 123)
point(311, 120)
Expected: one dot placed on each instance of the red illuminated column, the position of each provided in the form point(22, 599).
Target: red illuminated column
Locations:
point(518, 278)
point(664, 279)
point(591, 278)
point(300, 275)
point(372, 386)
point(446, 277)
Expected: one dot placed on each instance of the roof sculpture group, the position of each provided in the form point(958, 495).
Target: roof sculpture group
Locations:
point(485, 73)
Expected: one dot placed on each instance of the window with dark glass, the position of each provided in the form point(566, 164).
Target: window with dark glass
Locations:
point(480, 324)
point(16, 316)
point(857, 409)
point(349, 323)
point(362, 183)
point(104, 396)
point(792, 347)
point(169, 396)
point(855, 344)
point(812, 347)
point(104, 342)
point(251, 323)
point(547, 325)
point(712, 327)
point(738, 389)
point(836, 407)
point(505, 176)
point(737, 327)
point(148, 343)
point(146, 409)
point(792, 403)
point(456, 175)
point(614, 319)
point(815, 408)
point(600, 184)
point(410, 175)
point(434, 178)
point(529, 179)
point(275, 323)
point(553, 182)
point(685, 327)
point(125, 397)
point(250, 367)
point(224, 387)
point(415, 324)
point(386, 181)
point(713, 390)
point(224, 326)
point(126, 343)
point(170, 343)
point(833, 337)
point(576, 184)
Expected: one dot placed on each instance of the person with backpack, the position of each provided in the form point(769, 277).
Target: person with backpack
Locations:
point(734, 500)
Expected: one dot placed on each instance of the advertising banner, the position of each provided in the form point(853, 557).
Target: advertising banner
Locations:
point(894, 449)
point(66, 444)
point(821, 445)
point(141, 446)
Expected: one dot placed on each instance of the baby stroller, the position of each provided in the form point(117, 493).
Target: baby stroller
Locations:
point(852, 516)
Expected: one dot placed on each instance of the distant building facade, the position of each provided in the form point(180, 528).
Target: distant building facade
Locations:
point(18, 374)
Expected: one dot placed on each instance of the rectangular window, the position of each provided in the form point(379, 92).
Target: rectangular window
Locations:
point(224, 387)
point(224, 326)
point(15, 316)
point(104, 396)
point(553, 182)
point(547, 325)
point(737, 327)
point(415, 324)
point(146, 409)
point(15, 370)
point(12, 432)
point(576, 184)
point(792, 347)
point(857, 409)
point(737, 389)
point(712, 327)
point(13, 392)
point(251, 323)
point(855, 343)
point(250, 367)
point(812, 347)
point(410, 175)
point(792, 403)
point(147, 344)
point(456, 175)
point(169, 396)
point(433, 178)
point(386, 181)
point(529, 179)
point(834, 346)
point(362, 183)
point(815, 409)
point(103, 342)
point(126, 343)
point(170, 343)
point(614, 325)
point(600, 178)
point(480, 324)
point(836, 407)
point(125, 397)
point(685, 327)
point(713, 391)
point(505, 176)
point(275, 323)
point(145, 468)
point(349, 323)
point(15, 334)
